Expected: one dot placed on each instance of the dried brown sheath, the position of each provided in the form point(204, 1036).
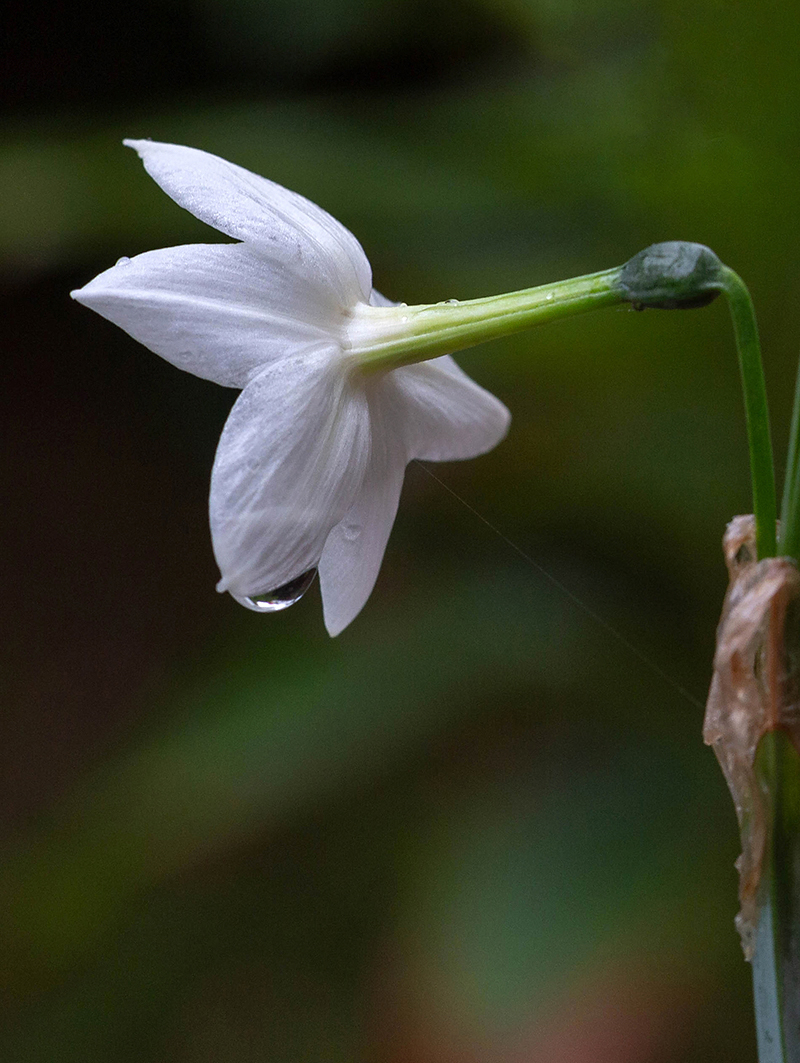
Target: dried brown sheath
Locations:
point(754, 690)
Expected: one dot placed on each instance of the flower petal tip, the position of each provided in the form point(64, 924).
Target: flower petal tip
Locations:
point(138, 145)
point(334, 628)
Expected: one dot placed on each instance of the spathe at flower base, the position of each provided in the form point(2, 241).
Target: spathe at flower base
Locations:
point(311, 460)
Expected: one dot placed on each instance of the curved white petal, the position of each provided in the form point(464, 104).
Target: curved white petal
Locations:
point(289, 464)
point(220, 311)
point(447, 416)
point(354, 549)
point(376, 299)
point(251, 208)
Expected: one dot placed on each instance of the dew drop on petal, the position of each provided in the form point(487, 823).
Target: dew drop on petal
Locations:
point(281, 597)
point(351, 530)
point(124, 261)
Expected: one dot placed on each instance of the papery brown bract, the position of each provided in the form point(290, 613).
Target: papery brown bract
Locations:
point(754, 690)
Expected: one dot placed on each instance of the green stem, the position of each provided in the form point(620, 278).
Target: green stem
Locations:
point(790, 506)
point(776, 962)
point(672, 275)
point(756, 410)
point(385, 337)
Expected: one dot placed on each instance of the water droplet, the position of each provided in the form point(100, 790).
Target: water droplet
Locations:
point(123, 261)
point(404, 318)
point(351, 530)
point(451, 302)
point(549, 295)
point(281, 597)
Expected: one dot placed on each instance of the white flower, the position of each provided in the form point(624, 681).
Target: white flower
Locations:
point(311, 461)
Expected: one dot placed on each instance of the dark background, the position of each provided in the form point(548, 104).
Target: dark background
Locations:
point(478, 826)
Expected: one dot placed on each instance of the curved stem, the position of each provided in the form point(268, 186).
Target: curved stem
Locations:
point(756, 410)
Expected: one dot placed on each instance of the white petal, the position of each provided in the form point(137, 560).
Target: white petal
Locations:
point(251, 208)
point(376, 299)
point(354, 550)
point(289, 464)
point(447, 415)
point(221, 311)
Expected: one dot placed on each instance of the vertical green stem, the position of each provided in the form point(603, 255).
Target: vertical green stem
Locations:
point(790, 506)
point(776, 960)
point(776, 963)
point(766, 988)
point(756, 410)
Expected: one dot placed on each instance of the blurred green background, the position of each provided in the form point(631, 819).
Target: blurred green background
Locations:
point(477, 826)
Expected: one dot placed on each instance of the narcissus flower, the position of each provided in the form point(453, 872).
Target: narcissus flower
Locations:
point(310, 464)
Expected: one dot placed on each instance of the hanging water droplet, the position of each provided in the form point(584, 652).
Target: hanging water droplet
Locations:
point(123, 261)
point(281, 597)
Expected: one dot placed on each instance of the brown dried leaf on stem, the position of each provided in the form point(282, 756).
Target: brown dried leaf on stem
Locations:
point(754, 690)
